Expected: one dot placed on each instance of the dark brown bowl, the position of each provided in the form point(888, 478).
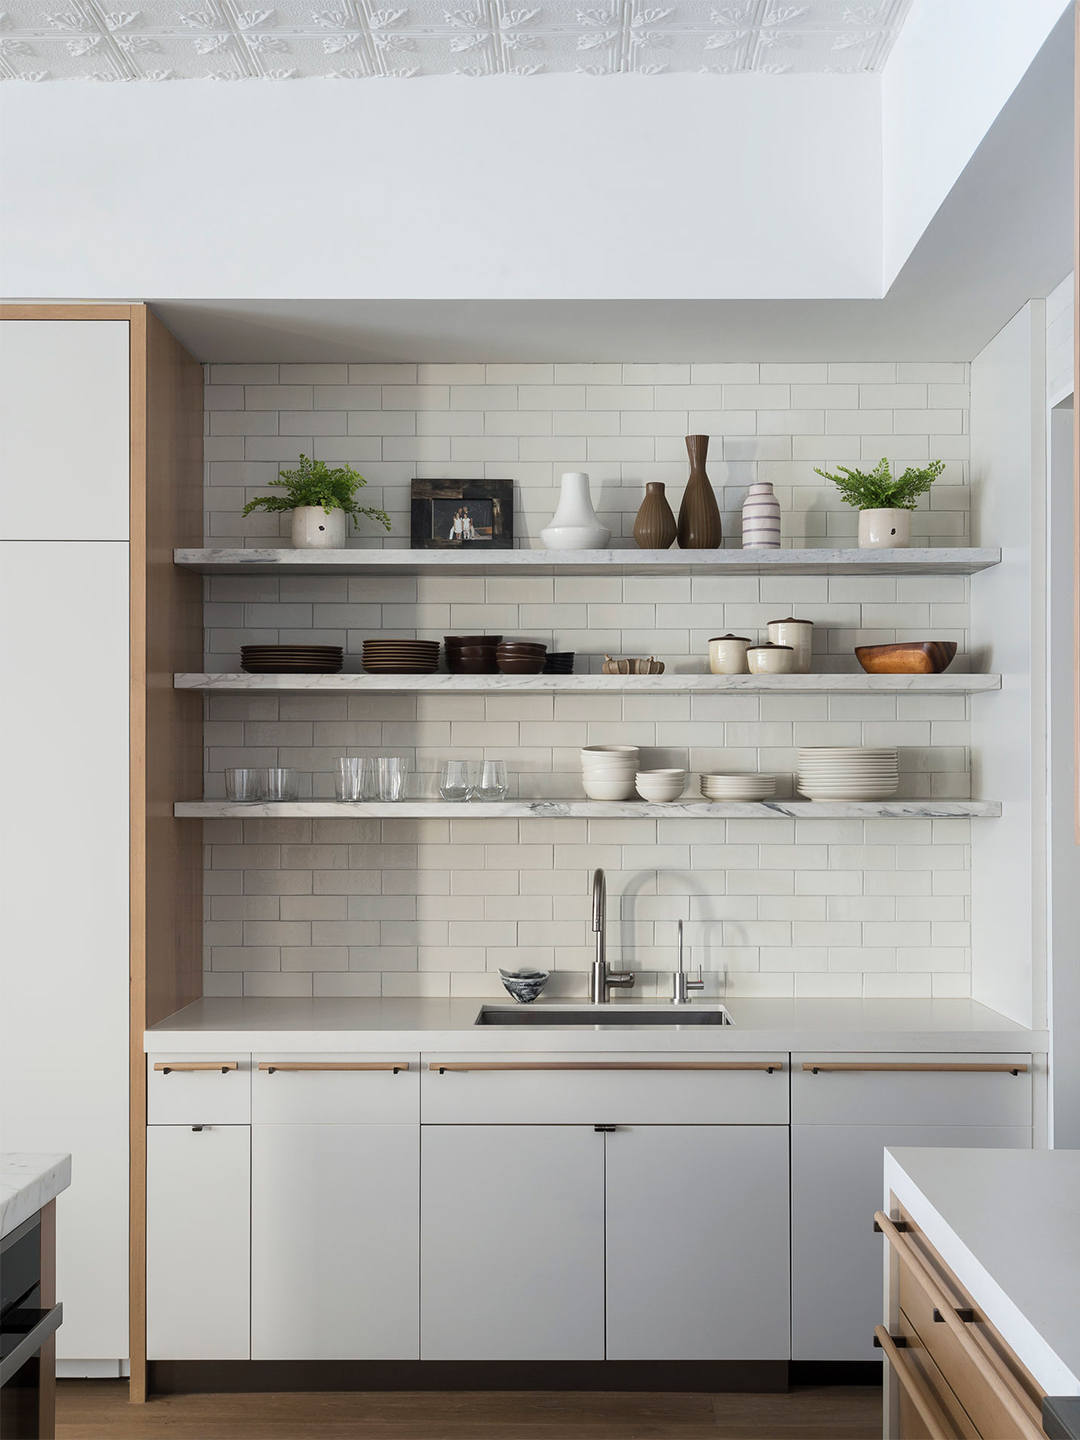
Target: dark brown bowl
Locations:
point(521, 667)
point(908, 657)
point(473, 665)
point(522, 648)
point(458, 640)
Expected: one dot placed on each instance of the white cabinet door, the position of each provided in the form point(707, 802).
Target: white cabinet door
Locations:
point(64, 910)
point(198, 1242)
point(512, 1242)
point(836, 1259)
point(697, 1242)
point(64, 431)
point(335, 1240)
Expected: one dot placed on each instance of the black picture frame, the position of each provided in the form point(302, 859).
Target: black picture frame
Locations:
point(462, 515)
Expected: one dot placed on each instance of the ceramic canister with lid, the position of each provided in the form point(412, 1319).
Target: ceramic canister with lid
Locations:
point(770, 659)
point(727, 654)
point(799, 634)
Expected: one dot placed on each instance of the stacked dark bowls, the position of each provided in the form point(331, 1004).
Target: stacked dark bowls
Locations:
point(291, 659)
point(521, 657)
point(401, 657)
point(559, 662)
point(471, 654)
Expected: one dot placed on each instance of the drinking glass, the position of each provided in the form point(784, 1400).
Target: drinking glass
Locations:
point(243, 785)
point(393, 777)
point(282, 784)
point(491, 780)
point(351, 777)
point(455, 782)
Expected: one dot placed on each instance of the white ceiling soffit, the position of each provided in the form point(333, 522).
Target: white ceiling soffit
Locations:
point(361, 39)
point(1003, 234)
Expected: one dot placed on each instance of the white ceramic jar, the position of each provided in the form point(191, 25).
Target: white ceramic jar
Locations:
point(799, 634)
point(884, 529)
point(314, 528)
point(575, 524)
point(770, 659)
point(727, 654)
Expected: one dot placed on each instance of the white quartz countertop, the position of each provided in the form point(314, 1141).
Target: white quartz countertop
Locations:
point(27, 1182)
point(1007, 1223)
point(341, 1025)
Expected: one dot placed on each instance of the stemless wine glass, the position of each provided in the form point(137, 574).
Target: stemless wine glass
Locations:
point(281, 784)
point(243, 785)
point(491, 780)
point(455, 782)
point(393, 777)
point(351, 777)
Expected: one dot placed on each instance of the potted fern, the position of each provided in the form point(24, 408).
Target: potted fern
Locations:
point(884, 503)
point(320, 500)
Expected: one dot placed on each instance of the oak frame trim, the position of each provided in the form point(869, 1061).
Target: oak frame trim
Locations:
point(461, 1065)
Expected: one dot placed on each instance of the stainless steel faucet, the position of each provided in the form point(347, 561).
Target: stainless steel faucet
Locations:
point(680, 984)
point(602, 979)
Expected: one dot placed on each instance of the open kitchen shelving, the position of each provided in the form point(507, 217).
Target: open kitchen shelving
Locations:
point(439, 684)
point(688, 809)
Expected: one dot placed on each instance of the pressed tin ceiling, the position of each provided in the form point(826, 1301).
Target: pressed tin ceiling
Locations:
point(360, 39)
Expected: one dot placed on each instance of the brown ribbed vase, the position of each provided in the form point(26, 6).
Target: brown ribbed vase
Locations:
point(655, 528)
point(699, 515)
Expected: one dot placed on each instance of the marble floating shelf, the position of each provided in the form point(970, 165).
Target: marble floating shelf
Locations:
point(922, 561)
point(590, 809)
point(846, 684)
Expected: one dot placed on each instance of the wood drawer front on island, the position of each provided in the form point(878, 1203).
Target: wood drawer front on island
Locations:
point(911, 1089)
point(697, 1242)
point(198, 1089)
point(640, 1089)
point(923, 1386)
point(512, 1243)
point(335, 1241)
point(337, 1089)
point(198, 1238)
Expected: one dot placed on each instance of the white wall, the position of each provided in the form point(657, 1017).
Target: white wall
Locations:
point(955, 64)
point(561, 186)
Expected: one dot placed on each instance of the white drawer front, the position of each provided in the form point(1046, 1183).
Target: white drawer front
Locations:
point(644, 1089)
point(198, 1089)
point(911, 1089)
point(335, 1089)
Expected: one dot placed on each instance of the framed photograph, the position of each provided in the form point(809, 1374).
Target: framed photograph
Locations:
point(462, 515)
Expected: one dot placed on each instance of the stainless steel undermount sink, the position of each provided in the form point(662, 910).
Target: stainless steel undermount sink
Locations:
point(603, 1015)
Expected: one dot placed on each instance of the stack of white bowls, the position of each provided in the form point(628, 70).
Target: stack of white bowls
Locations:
point(848, 772)
point(738, 788)
point(608, 772)
point(661, 786)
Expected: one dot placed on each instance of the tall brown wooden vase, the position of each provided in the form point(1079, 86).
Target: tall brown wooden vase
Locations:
point(699, 514)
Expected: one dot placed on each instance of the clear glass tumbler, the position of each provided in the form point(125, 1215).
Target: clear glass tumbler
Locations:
point(351, 777)
point(393, 777)
point(282, 784)
point(455, 781)
point(244, 785)
point(491, 781)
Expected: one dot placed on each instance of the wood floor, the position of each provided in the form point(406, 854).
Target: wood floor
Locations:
point(99, 1410)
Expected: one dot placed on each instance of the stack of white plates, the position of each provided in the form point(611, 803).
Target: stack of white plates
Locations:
point(848, 772)
point(608, 771)
point(739, 788)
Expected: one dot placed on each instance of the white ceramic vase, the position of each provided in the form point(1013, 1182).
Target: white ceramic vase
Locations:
point(575, 524)
point(884, 529)
point(761, 518)
point(314, 528)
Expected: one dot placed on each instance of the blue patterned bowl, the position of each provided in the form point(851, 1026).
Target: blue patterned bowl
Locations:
point(524, 986)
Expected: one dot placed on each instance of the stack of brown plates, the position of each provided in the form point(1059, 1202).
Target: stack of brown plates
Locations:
point(291, 659)
point(401, 657)
point(521, 657)
point(471, 654)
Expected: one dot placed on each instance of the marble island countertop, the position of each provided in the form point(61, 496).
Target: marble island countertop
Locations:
point(27, 1182)
point(1007, 1223)
point(344, 1025)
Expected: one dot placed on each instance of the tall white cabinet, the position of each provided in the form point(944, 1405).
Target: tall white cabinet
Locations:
point(64, 740)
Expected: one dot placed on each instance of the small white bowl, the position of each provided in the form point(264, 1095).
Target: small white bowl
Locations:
point(609, 789)
point(659, 797)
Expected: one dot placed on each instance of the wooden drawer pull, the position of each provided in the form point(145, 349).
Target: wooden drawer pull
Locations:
point(929, 1411)
point(767, 1065)
point(1014, 1400)
point(393, 1065)
point(167, 1066)
point(825, 1066)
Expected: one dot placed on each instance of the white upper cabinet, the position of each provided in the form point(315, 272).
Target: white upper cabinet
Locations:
point(64, 430)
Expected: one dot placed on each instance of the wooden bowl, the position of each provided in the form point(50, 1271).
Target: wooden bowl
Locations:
point(908, 657)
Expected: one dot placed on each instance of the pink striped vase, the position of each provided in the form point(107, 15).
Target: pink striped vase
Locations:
point(761, 518)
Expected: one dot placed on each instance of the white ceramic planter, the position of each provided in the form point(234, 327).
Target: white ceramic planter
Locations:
point(575, 524)
point(884, 529)
point(313, 528)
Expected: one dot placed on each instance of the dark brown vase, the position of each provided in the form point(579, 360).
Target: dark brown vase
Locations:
point(699, 514)
point(655, 528)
